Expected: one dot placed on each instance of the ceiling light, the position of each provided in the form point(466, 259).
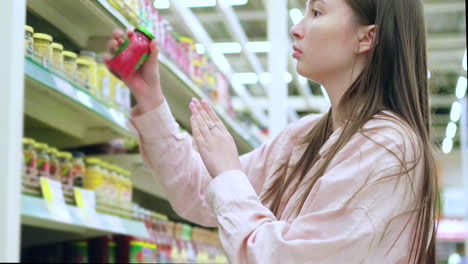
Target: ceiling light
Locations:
point(447, 145)
point(451, 130)
point(455, 112)
point(245, 78)
point(198, 3)
point(162, 4)
point(234, 2)
point(461, 87)
point(429, 75)
point(259, 46)
point(200, 48)
point(296, 15)
point(227, 47)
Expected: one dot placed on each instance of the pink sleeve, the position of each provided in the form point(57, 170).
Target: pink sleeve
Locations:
point(324, 232)
point(178, 167)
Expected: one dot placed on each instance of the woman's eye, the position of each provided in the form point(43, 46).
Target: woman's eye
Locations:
point(315, 12)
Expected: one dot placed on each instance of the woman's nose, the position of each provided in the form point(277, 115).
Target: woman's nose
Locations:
point(296, 32)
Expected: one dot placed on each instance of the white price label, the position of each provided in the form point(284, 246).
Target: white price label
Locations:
point(64, 86)
point(53, 196)
point(86, 201)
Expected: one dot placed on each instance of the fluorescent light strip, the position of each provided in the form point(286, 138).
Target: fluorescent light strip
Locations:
point(165, 4)
point(253, 78)
point(464, 61)
point(227, 47)
point(460, 91)
point(259, 46)
point(455, 113)
point(447, 145)
point(296, 15)
point(451, 130)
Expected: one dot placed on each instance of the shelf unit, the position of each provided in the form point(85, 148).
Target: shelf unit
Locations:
point(63, 114)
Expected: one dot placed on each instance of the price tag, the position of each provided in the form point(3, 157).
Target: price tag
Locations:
point(86, 201)
point(114, 223)
point(53, 196)
point(64, 86)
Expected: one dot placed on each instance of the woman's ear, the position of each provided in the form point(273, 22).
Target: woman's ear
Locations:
point(366, 38)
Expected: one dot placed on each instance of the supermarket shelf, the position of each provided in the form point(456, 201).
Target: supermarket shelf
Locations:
point(82, 16)
point(142, 177)
point(77, 118)
point(34, 213)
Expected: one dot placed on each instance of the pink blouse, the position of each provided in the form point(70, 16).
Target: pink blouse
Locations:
point(372, 228)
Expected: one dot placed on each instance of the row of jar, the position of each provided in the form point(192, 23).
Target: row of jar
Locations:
point(111, 183)
point(86, 68)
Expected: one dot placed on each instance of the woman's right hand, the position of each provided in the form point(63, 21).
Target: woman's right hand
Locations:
point(145, 84)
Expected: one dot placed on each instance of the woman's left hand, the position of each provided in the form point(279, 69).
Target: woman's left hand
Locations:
point(215, 144)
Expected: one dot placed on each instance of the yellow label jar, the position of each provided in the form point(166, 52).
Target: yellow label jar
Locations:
point(28, 40)
point(42, 46)
point(83, 72)
point(104, 80)
point(69, 63)
point(57, 57)
point(93, 175)
point(93, 72)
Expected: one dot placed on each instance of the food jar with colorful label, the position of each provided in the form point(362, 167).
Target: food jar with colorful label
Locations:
point(43, 160)
point(79, 169)
point(29, 40)
point(69, 64)
point(93, 175)
point(29, 157)
point(54, 164)
point(104, 77)
point(66, 168)
point(42, 46)
point(83, 73)
point(131, 54)
point(57, 56)
point(93, 71)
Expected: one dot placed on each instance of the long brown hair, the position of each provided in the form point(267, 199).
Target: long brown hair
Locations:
point(394, 79)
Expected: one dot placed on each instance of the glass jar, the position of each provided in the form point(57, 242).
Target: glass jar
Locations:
point(83, 73)
point(93, 175)
point(43, 160)
point(66, 168)
point(69, 63)
point(79, 169)
point(42, 46)
point(93, 71)
point(104, 79)
point(105, 181)
point(29, 40)
point(29, 157)
point(54, 164)
point(57, 56)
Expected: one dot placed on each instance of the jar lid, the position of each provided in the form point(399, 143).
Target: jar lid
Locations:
point(93, 161)
point(66, 155)
point(146, 32)
point(56, 45)
point(69, 54)
point(83, 62)
point(41, 146)
point(88, 53)
point(42, 36)
point(28, 141)
point(29, 29)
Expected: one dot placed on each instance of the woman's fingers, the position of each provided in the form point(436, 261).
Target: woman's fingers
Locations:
point(201, 124)
point(209, 110)
point(117, 33)
point(204, 115)
point(112, 46)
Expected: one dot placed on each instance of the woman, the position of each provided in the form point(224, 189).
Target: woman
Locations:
point(356, 185)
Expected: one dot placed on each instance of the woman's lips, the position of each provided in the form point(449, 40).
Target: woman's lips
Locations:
point(297, 52)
